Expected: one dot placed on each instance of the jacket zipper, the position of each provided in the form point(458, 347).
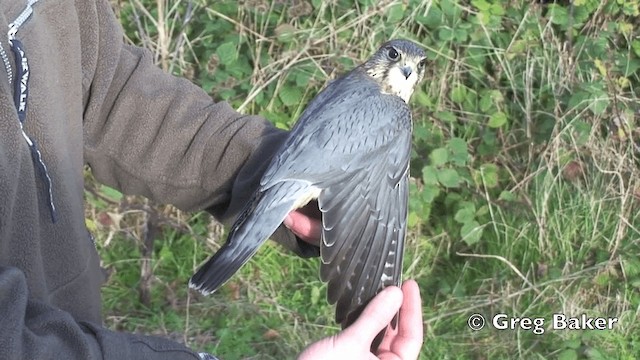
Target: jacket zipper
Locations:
point(13, 29)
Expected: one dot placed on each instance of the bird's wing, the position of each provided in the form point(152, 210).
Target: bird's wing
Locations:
point(364, 225)
point(364, 215)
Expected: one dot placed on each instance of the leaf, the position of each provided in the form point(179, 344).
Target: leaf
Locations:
point(573, 343)
point(568, 354)
point(111, 193)
point(497, 9)
point(429, 193)
point(396, 13)
point(489, 175)
point(631, 267)
point(239, 69)
point(558, 15)
point(451, 10)
point(445, 34)
point(290, 95)
point(466, 212)
point(226, 94)
point(90, 224)
point(439, 156)
point(459, 152)
point(423, 98)
point(465, 215)
point(446, 116)
point(599, 105)
point(486, 102)
point(481, 5)
point(497, 119)
point(433, 19)
point(429, 176)
point(630, 8)
point(578, 99)
point(302, 78)
point(471, 232)
point(635, 46)
point(594, 354)
point(420, 131)
point(627, 65)
point(460, 35)
point(449, 178)
point(625, 28)
point(482, 211)
point(458, 94)
point(507, 196)
point(517, 48)
point(227, 53)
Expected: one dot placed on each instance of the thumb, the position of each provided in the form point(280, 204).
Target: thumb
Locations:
point(376, 316)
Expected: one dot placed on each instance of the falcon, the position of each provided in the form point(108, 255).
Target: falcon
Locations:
point(349, 151)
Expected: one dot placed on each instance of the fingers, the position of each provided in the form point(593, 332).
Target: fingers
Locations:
point(408, 341)
point(376, 316)
point(305, 227)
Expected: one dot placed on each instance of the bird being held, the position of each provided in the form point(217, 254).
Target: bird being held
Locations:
point(349, 150)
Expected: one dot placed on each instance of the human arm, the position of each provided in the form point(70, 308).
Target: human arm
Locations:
point(353, 342)
point(152, 134)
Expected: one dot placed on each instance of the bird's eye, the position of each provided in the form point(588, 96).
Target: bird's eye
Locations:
point(422, 63)
point(393, 54)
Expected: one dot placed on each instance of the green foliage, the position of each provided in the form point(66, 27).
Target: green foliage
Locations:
point(524, 144)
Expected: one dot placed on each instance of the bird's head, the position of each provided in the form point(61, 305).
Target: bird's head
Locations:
point(398, 66)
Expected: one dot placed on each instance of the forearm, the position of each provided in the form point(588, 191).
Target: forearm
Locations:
point(164, 138)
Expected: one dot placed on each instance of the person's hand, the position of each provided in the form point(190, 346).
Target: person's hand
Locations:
point(305, 223)
point(353, 343)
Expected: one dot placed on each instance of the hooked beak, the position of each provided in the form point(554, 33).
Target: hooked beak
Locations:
point(406, 71)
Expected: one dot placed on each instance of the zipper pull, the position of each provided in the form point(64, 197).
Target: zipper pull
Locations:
point(13, 30)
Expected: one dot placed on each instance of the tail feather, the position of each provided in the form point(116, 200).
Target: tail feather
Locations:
point(259, 220)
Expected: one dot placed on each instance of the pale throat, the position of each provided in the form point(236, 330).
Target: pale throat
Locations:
point(397, 84)
point(393, 81)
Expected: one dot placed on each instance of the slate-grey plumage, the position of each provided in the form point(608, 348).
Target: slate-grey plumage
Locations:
point(349, 150)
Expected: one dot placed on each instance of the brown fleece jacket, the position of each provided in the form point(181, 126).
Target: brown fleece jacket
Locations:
point(94, 100)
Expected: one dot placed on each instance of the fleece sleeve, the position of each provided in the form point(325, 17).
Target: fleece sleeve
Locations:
point(160, 136)
point(34, 330)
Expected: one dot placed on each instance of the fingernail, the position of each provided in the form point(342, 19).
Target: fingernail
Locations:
point(288, 222)
point(387, 293)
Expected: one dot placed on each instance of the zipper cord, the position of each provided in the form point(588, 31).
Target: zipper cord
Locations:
point(21, 97)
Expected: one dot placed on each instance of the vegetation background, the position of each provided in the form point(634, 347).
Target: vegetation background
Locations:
point(525, 187)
